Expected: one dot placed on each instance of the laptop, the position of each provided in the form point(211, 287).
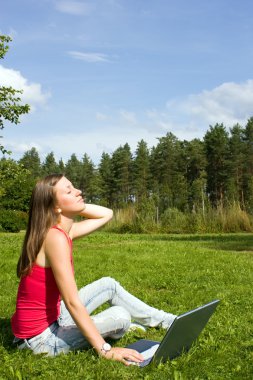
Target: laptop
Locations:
point(184, 330)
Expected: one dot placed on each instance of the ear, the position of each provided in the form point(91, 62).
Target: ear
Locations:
point(57, 210)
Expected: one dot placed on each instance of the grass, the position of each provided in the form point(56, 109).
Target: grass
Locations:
point(172, 272)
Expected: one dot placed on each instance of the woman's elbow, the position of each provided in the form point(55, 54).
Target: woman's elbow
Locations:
point(110, 216)
point(72, 304)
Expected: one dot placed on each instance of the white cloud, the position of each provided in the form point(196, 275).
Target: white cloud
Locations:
point(32, 92)
point(101, 116)
point(22, 147)
point(190, 117)
point(88, 57)
point(129, 117)
point(229, 103)
point(74, 7)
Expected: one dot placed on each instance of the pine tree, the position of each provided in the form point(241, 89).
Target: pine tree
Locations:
point(217, 153)
point(105, 180)
point(168, 179)
point(73, 170)
point(141, 172)
point(88, 180)
point(61, 166)
point(195, 162)
point(31, 161)
point(50, 165)
point(236, 164)
point(122, 176)
point(248, 166)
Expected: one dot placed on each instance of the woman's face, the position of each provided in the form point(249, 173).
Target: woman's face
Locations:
point(68, 199)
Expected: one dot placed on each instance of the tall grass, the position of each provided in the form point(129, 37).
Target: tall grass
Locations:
point(171, 272)
point(219, 220)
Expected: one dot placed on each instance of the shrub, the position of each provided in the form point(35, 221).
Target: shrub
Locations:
point(175, 221)
point(135, 228)
point(210, 222)
point(23, 219)
point(11, 221)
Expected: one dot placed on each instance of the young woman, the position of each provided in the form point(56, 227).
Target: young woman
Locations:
point(51, 316)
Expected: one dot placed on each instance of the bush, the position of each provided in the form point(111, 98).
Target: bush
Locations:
point(12, 221)
point(23, 219)
point(210, 222)
point(134, 228)
point(175, 221)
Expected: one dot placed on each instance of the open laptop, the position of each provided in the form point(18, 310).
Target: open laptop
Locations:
point(179, 337)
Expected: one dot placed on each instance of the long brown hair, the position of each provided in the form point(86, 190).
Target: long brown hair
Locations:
point(42, 216)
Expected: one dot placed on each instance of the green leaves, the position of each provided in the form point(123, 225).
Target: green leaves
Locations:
point(4, 47)
point(15, 185)
point(11, 107)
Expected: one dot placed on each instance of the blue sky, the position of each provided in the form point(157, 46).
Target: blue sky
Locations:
point(101, 73)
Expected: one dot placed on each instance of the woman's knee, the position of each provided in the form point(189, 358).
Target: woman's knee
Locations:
point(123, 320)
point(109, 281)
point(121, 313)
point(121, 316)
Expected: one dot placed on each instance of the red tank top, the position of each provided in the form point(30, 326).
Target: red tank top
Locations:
point(38, 300)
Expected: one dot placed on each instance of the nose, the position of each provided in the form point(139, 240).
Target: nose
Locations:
point(78, 192)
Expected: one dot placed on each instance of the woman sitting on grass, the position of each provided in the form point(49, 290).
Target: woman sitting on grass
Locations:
point(51, 316)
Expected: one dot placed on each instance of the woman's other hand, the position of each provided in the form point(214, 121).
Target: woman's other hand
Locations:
point(123, 355)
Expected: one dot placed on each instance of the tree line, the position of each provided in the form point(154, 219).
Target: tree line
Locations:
point(190, 176)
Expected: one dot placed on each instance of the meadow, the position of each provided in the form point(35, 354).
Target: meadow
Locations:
point(172, 272)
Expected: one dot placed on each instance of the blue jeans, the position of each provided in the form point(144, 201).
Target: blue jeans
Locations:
point(64, 336)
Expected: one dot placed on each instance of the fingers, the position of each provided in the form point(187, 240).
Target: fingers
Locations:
point(125, 355)
point(128, 363)
point(132, 356)
point(135, 355)
point(131, 360)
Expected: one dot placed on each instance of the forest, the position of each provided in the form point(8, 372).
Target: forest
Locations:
point(175, 186)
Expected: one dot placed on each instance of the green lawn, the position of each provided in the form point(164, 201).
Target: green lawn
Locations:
point(175, 273)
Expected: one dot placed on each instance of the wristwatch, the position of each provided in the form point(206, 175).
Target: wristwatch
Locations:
point(106, 348)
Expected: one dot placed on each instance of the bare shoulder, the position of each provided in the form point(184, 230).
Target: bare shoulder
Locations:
point(57, 253)
point(55, 241)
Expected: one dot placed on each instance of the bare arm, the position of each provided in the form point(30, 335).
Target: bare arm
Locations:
point(57, 252)
point(96, 216)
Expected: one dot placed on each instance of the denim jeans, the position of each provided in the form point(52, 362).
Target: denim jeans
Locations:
point(64, 336)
